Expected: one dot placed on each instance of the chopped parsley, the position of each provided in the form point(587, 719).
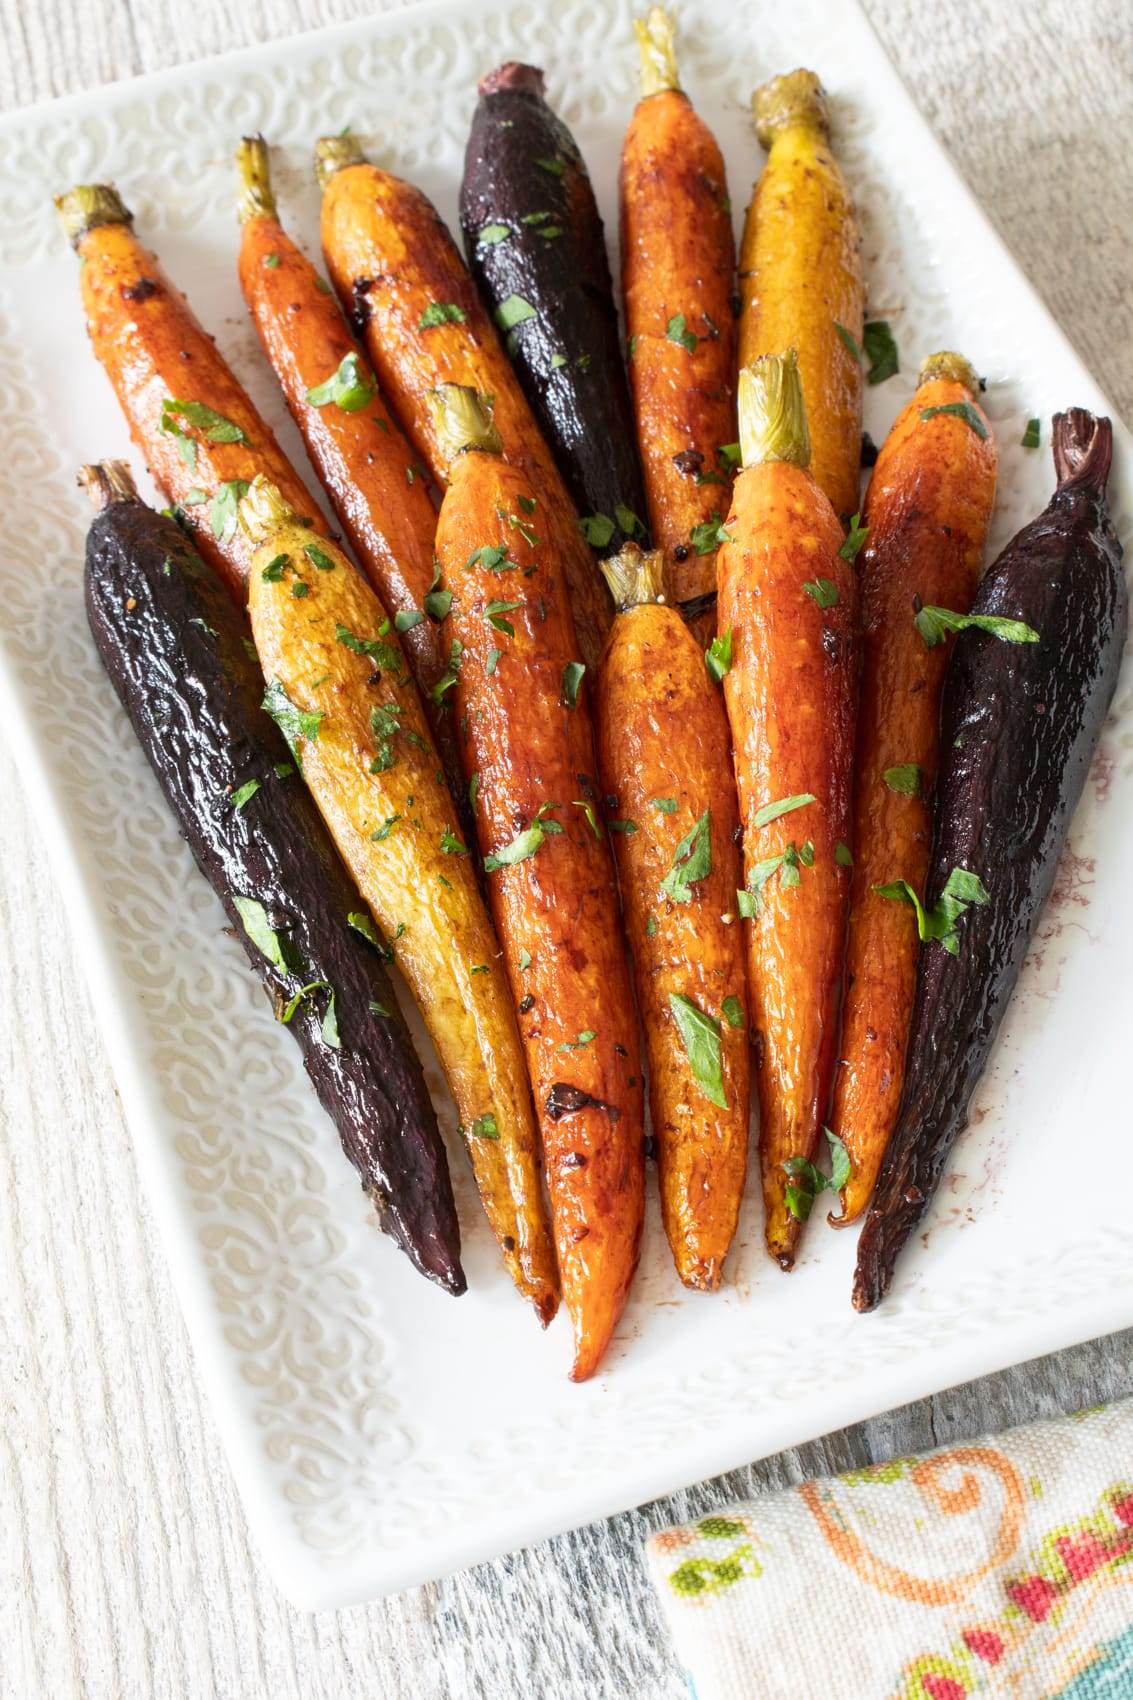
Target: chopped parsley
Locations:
point(294, 723)
point(449, 677)
point(494, 614)
point(579, 1042)
point(244, 793)
point(700, 1035)
point(597, 529)
point(961, 890)
point(254, 919)
point(348, 388)
point(437, 604)
point(959, 410)
point(880, 349)
point(318, 558)
point(1032, 436)
point(572, 678)
point(905, 779)
point(664, 805)
point(525, 843)
point(733, 1012)
point(491, 234)
point(224, 505)
point(823, 590)
point(623, 826)
point(843, 855)
point(850, 341)
point(855, 537)
point(510, 314)
point(718, 656)
point(493, 557)
point(677, 331)
point(362, 923)
point(484, 1127)
point(304, 991)
point(385, 724)
point(784, 806)
point(441, 313)
point(934, 624)
point(809, 1180)
point(451, 845)
point(786, 864)
point(212, 425)
point(381, 833)
point(275, 569)
point(692, 861)
point(385, 656)
point(406, 618)
point(708, 534)
point(588, 810)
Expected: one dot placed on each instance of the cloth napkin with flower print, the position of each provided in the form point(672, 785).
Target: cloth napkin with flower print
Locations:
point(1000, 1568)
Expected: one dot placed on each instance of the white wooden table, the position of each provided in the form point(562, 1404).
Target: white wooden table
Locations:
point(127, 1569)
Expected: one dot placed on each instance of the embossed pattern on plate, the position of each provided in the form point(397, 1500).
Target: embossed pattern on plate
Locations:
point(382, 1433)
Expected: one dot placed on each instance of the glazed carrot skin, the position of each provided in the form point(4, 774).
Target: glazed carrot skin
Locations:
point(665, 762)
point(801, 276)
point(528, 740)
point(790, 694)
point(338, 688)
point(394, 265)
point(928, 510)
point(679, 264)
point(364, 462)
point(153, 350)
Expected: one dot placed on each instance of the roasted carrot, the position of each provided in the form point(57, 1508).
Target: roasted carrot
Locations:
point(801, 276)
point(1027, 690)
point(201, 436)
point(537, 249)
point(529, 751)
point(339, 690)
point(678, 274)
point(363, 460)
point(665, 763)
point(175, 646)
point(927, 514)
point(787, 618)
point(400, 276)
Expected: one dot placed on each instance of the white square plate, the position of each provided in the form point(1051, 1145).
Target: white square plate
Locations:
point(382, 1433)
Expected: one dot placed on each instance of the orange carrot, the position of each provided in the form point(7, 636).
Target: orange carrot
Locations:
point(399, 274)
point(665, 761)
point(787, 616)
point(927, 513)
point(678, 274)
point(201, 436)
point(529, 752)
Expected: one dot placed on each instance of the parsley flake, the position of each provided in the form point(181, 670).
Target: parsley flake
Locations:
point(692, 861)
point(700, 1035)
point(934, 624)
point(959, 410)
point(441, 313)
point(677, 331)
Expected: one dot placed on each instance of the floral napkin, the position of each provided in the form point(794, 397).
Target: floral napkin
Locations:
point(1001, 1568)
